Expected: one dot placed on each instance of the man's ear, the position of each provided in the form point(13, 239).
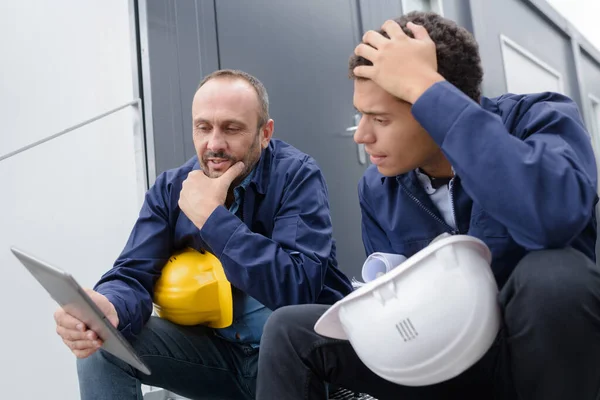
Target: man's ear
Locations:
point(266, 132)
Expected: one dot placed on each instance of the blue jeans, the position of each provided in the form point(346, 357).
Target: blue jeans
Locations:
point(188, 360)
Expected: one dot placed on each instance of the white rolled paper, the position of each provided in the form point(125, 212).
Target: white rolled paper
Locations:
point(378, 264)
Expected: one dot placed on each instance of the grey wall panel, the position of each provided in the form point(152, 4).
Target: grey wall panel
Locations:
point(572, 78)
point(300, 49)
point(590, 69)
point(163, 60)
point(197, 54)
point(523, 24)
point(375, 13)
point(591, 75)
point(458, 11)
point(182, 47)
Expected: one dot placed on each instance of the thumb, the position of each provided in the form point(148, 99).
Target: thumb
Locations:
point(105, 306)
point(419, 32)
point(114, 319)
point(111, 313)
point(233, 172)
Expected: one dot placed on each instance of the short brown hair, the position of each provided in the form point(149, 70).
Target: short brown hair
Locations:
point(263, 97)
point(456, 49)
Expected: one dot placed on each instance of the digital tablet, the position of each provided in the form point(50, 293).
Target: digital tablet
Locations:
point(65, 290)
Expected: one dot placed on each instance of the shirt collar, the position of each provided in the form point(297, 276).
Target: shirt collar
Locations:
point(425, 182)
point(414, 176)
point(244, 184)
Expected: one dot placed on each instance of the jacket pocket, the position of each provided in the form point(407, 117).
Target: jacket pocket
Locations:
point(285, 232)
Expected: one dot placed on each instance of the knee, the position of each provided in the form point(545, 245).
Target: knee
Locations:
point(281, 323)
point(291, 324)
point(553, 284)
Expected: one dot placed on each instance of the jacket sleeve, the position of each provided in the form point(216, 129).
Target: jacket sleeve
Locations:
point(373, 236)
point(129, 284)
point(542, 188)
point(289, 267)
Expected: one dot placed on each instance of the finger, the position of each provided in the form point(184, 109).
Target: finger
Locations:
point(366, 51)
point(114, 320)
point(375, 39)
point(364, 71)
point(195, 174)
point(393, 30)
point(82, 344)
point(68, 321)
point(419, 31)
point(70, 334)
point(104, 304)
point(84, 353)
point(91, 335)
point(233, 172)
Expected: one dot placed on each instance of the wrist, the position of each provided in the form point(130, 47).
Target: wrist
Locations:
point(205, 214)
point(422, 85)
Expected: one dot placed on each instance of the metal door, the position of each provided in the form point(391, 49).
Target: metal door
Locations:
point(299, 49)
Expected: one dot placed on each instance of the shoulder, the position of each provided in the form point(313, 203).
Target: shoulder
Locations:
point(524, 113)
point(375, 188)
point(285, 158)
point(173, 178)
point(371, 180)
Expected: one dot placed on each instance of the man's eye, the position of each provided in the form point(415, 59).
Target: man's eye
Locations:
point(379, 121)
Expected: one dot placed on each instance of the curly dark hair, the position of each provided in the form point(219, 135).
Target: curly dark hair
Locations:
point(456, 49)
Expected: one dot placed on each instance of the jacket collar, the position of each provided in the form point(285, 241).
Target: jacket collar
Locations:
point(263, 170)
point(408, 179)
point(462, 202)
point(411, 182)
point(411, 186)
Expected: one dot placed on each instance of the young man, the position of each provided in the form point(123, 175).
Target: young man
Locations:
point(260, 206)
point(517, 172)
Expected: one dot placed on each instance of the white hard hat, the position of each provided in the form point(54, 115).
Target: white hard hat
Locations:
point(426, 321)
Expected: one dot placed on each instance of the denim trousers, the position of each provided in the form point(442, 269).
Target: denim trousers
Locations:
point(190, 361)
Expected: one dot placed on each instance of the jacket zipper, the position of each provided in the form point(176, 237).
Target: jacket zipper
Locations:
point(441, 221)
point(451, 191)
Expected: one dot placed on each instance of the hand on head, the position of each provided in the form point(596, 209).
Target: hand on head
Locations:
point(405, 67)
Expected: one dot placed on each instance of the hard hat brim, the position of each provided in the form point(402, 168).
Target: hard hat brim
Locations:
point(225, 300)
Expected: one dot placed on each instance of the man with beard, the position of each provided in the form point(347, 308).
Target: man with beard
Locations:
point(261, 207)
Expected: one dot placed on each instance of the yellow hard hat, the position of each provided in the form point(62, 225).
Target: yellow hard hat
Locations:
point(194, 290)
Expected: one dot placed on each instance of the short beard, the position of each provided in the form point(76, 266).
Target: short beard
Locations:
point(250, 160)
